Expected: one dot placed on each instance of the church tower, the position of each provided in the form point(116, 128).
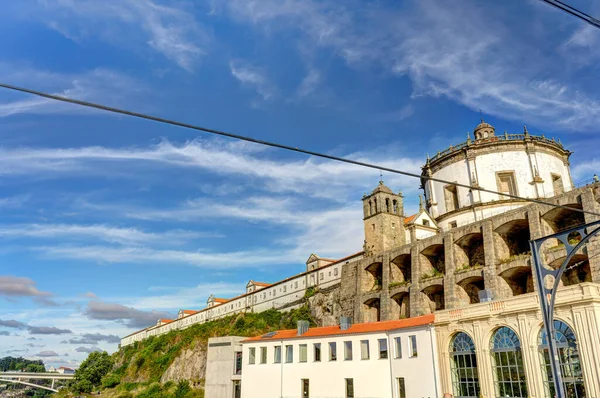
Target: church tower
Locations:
point(383, 219)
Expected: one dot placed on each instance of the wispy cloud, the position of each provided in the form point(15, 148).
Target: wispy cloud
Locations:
point(100, 85)
point(310, 83)
point(125, 236)
point(169, 30)
point(116, 312)
point(12, 286)
point(253, 77)
point(479, 64)
point(189, 298)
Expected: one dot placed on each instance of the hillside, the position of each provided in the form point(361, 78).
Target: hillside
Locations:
point(174, 364)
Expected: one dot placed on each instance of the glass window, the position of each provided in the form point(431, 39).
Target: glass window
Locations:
point(401, 388)
point(289, 353)
point(349, 388)
point(398, 345)
point(570, 363)
point(305, 387)
point(284, 288)
point(335, 272)
point(263, 354)
point(332, 351)
point(364, 349)
point(295, 285)
point(317, 352)
point(277, 358)
point(252, 356)
point(509, 375)
point(321, 276)
point(463, 365)
point(347, 350)
point(302, 353)
point(238, 362)
point(383, 351)
point(413, 345)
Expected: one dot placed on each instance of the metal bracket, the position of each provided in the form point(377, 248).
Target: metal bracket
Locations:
point(547, 280)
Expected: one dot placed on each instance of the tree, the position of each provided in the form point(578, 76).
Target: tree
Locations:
point(92, 370)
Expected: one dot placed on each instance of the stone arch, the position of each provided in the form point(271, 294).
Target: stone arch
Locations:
point(372, 310)
point(517, 280)
point(558, 219)
point(470, 287)
point(578, 269)
point(463, 365)
point(372, 277)
point(433, 261)
point(511, 239)
point(400, 305)
point(507, 363)
point(469, 251)
point(400, 268)
point(433, 296)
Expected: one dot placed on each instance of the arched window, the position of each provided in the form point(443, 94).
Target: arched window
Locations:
point(387, 205)
point(395, 206)
point(463, 363)
point(569, 361)
point(370, 208)
point(509, 375)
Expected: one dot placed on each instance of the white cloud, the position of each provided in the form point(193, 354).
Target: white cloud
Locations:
point(126, 236)
point(169, 30)
point(99, 85)
point(478, 64)
point(253, 77)
point(189, 298)
point(310, 83)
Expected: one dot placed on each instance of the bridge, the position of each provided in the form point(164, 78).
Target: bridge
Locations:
point(20, 377)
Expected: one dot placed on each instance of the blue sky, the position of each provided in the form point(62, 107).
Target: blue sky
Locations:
point(109, 222)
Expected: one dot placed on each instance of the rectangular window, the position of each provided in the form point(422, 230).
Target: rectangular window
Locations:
point(347, 350)
point(506, 184)
point(557, 184)
point(401, 388)
point(302, 354)
point(364, 349)
point(349, 388)
point(252, 356)
point(289, 354)
point(332, 351)
point(452, 224)
point(413, 345)
point(451, 197)
point(285, 288)
point(238, 362)
point(383, 349)
point(426, 223)
point(304, 383)
point(398, 345)
point(277, 358)
point(295, 285)
point(321, 276)
point(335, 272)
point(317, 352)
point(263, 354)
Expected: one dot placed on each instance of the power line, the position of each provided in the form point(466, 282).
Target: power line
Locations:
point(574, 12)
point(280, 146)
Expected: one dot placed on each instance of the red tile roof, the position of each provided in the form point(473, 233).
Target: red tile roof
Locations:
point(262, 284)
point(410, 219)
point(190, 312)
point(165, 320)
point(354, 329)
point(221, 300)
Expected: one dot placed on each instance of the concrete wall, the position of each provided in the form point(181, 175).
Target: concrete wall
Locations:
point(220, 362)
point(372, 378)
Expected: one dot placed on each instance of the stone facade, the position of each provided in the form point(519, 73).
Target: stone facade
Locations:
point(449, 270)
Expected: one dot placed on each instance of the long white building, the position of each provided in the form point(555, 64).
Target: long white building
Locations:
point(389, 359)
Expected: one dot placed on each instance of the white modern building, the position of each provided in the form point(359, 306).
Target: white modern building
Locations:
point(224, 367)
point(390, 359)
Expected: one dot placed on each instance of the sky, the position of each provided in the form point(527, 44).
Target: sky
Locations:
point(109, 222)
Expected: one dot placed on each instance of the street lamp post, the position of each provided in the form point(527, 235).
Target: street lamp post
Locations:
point(547, 280)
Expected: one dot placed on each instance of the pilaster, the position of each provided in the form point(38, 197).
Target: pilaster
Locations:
point(588, 203)
point(449, 277)
point(384, 298)
point(490, 275)
point(416, 306)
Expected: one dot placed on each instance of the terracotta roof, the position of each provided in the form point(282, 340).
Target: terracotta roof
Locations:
point(190, 312)
point(221, 300)
point(165, 320)
point(65, 368)
point(262, 284)
point(410, 219)
point(354, 329)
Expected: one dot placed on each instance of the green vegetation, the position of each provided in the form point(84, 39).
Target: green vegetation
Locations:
point(466, 267)
point(136, 370)
point(376, 284)
point(433, 274)
point(8, 364)
point(396, 284)
point(514, 257)
point(311, 291)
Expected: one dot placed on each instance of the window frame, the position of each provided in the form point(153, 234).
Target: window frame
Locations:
point(349, 383)
point(277, 350)
point(512, 180)
point(413, 347)
point(383, 354)
point(317, 349)
point(348, 350)
point(300, 347)
point(263, 355)
point(251, 355)
point(332, 351)
point(362, 357)
point(397, 347)
point(289, 353)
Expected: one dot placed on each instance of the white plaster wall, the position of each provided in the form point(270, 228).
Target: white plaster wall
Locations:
point(372, 378)
point(278, 296)
point(485, 168)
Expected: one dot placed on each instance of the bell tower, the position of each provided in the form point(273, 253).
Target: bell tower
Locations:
point(383, 215)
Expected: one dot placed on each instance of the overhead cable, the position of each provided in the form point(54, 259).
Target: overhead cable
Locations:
point(574, 12)
point(282, 146)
